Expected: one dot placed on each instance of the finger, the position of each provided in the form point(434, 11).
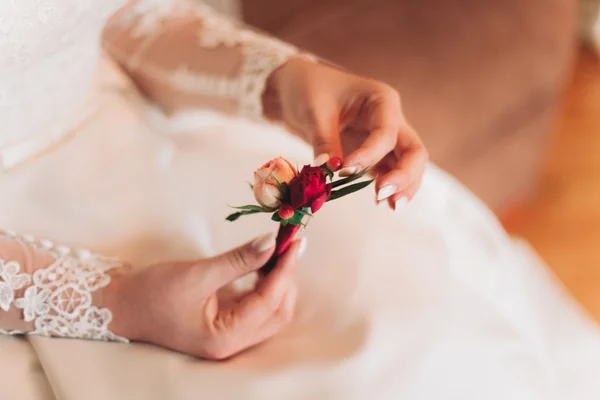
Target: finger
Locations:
point(383, 124)
point(238, 262)
point(408, 170)
point(281, 317)
point(251, 335)
point(326, 138)
point(257, 307)
point(318, 123)
point(400, 200)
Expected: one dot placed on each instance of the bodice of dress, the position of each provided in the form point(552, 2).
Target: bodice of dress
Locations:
point(49, 52)
point(179, 52)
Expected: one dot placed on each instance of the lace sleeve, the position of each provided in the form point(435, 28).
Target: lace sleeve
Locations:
point(52, 290)
point(183, 55)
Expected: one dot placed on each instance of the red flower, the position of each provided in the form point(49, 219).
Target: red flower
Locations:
point(309, 189)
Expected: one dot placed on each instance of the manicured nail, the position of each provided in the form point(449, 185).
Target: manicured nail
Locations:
point(400, 203)
point(321, 159)
point(263, 243)
point(349, 171)
point(386, 192)
point(301, 247)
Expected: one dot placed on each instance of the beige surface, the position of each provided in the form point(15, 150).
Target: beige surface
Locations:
point(563, 222)
point(21, 375)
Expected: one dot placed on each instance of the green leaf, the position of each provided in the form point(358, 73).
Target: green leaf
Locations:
point(284, 222)
point(305, 211)
point(275, 217)
point(296, 218)
point(250, 208)
point(336, 194)
point(234, 216)
point(328, 172)
point(276, 179)
point(349, 179)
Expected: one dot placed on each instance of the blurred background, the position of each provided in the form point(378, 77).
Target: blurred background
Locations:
point(505, 93)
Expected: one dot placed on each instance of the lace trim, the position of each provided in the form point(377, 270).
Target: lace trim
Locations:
point(146, 15)
point(262, 55)
point(58, 299)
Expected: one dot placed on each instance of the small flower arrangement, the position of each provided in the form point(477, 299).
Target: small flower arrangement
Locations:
point(292, 196)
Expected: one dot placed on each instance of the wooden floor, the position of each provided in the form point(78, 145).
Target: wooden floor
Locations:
point(563, 221)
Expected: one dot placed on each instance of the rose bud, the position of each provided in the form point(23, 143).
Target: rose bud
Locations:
point(286, 211)
point(334, 164)
point(309, 189)
point(267, 180)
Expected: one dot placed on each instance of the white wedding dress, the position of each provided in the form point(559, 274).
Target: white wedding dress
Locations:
point(434, 302)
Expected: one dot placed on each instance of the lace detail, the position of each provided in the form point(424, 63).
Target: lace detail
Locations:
point(146, 15)
point(10, 281)
point(261, 55)
point(58, 299)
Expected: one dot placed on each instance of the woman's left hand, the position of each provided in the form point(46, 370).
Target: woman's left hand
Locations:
point(357, 119)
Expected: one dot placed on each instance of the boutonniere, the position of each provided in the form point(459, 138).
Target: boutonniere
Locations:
point(293, 197)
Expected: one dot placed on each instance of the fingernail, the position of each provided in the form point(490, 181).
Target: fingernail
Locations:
point(348, 171)
point(263, 243)
point(321, 159)
point(386, 192)
point(400, 203)
point(301, 247)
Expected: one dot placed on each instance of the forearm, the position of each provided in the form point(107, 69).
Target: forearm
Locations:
point(187, 57)
point(51, 290)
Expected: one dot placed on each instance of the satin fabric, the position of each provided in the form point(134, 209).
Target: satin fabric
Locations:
point(434, 301)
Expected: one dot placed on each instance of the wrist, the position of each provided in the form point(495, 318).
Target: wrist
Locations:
point(117, 298)
point(276, 84)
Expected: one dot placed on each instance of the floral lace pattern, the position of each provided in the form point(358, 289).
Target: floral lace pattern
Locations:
point(10, 281)
point(58, 299)
point(261, 54)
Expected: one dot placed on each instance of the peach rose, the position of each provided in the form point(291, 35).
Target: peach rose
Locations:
point(267, 180)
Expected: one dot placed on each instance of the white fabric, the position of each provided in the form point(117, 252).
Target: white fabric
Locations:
point(39, 39)
point(434, 302)
point(47, 46)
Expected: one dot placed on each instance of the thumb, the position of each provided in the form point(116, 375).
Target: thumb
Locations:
point(242, 260)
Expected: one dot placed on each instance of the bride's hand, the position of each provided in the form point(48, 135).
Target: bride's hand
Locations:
point(357, 119)
point(175, 305)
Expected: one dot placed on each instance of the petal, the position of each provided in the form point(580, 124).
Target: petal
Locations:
point(268, 196)
point(318, 202)
point(292, 167)
point(263, 173)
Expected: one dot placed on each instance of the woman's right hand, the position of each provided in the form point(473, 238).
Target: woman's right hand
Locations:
point(175, 305)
